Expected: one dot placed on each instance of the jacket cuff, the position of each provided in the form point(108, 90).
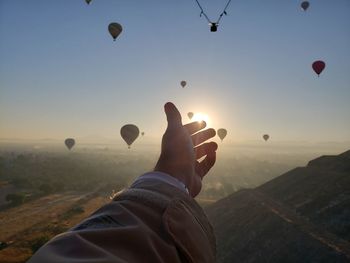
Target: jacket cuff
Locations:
point(160, 176)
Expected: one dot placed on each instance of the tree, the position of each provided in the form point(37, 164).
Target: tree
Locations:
point(45, 188)
point(15, 199)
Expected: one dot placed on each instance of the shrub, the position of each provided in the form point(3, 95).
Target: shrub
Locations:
point(3, 245)
point(39, 242)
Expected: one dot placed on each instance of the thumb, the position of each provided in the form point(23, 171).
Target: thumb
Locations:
point(173, 116)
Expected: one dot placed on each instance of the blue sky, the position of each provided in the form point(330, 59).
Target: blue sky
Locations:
point(61, 75)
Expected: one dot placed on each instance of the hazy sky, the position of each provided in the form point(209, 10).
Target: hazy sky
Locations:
point(61, 75)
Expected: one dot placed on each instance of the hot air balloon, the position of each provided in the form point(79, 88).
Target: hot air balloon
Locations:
point(129, 133)
point(305, 5)
point(115, 29)
point(190, 115)
point(266, 137)
point(318, 66)
point(183, 83)
point(142, 133)
point(69, 142)
point(88, 1)
point(222, 133)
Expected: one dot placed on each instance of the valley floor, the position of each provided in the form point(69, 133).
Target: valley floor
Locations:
point(24, 226)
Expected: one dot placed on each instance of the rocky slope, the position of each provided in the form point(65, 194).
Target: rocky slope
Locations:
point(301, 216)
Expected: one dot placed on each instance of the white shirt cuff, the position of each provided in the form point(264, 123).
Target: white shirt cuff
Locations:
point(160, 176)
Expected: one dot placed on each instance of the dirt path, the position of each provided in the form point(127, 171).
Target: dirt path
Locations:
point(334, 242)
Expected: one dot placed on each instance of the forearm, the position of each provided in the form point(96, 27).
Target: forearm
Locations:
point(141, 224)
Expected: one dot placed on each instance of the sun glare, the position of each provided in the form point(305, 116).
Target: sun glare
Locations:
point(201, 117)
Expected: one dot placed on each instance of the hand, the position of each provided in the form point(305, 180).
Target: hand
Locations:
point(182, 147)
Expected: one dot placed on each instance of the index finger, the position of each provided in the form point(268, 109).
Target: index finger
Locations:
point(195, 126)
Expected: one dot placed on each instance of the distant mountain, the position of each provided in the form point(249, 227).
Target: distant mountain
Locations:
point(300, 216)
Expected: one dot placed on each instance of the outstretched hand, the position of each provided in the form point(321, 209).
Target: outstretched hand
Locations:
point(182, 146)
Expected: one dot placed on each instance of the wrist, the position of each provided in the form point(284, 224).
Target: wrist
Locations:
point(182, 174)
point(160, 176)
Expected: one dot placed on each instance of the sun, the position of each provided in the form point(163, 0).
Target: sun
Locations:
point(201, 117)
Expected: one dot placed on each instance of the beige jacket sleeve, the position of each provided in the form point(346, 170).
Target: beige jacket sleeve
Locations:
point(152, 222)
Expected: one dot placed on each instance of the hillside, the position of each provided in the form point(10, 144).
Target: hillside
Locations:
point(301, 216)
